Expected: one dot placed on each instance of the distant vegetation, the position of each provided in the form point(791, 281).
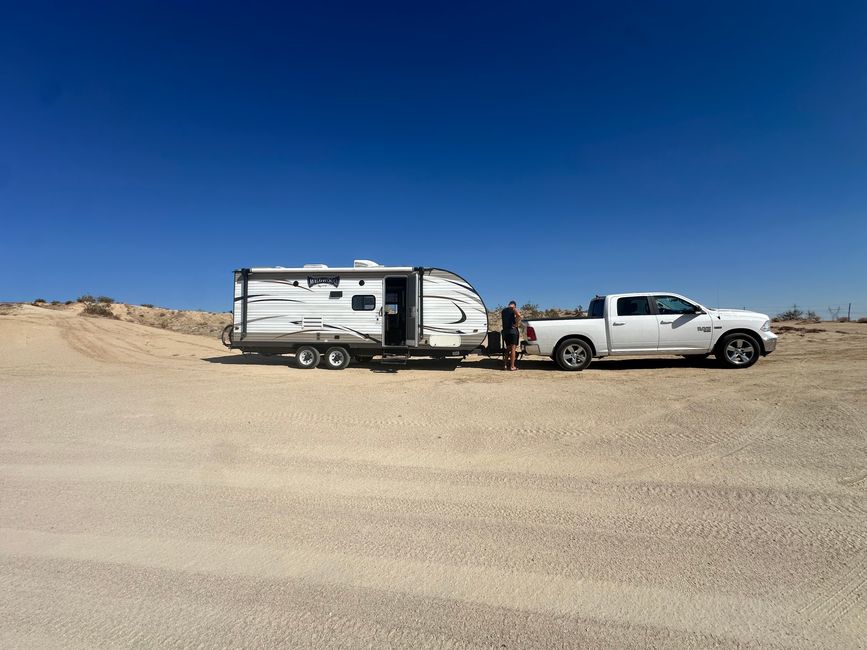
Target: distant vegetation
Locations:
point(39, 301)
point(532, 310)
point(98, 309)
point(147, 304)
point(795, 313)
point(105, 300)
point(85, 298)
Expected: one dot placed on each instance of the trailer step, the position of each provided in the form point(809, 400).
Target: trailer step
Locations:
point(395, 356)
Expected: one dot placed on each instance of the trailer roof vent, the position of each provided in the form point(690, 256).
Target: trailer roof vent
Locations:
point(315, 266)
point(364, 264)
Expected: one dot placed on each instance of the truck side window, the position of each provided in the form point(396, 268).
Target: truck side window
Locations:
point(673, 305)
point(633, 306)
point(363, 303)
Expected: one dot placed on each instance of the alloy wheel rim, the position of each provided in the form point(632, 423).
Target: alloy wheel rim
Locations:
point(574, 355)
point(740, 351)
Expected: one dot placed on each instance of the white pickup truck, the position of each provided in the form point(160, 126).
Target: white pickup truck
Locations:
point(657, 323)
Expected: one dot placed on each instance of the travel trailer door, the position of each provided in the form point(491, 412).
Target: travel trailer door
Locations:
point(400, 311)
point(412, 309)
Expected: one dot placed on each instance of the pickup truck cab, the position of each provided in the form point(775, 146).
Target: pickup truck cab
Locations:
point(653, 323)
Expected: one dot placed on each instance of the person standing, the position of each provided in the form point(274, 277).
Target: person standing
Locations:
point(511, 320)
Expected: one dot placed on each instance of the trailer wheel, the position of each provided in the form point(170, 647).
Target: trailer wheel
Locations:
point(573, 354)
point(336, 358)
point(306, 357)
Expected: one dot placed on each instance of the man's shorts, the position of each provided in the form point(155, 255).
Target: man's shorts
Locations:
point(510, 337)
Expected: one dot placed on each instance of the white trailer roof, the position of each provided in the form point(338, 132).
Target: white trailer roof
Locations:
point(327, 269)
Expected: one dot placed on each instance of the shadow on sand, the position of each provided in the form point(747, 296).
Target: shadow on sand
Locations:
point(491, 363)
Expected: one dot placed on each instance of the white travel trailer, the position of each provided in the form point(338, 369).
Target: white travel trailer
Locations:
point(335, 314)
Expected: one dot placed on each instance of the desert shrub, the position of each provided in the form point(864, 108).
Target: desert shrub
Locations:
point(55, 302)
point(86, 298)
point(39, 301)
point(68, 302)
point(105, 300)
point(530, 309)
point(147, 304)
point(790, 314)
point(862, 320)
point(552, 312)
point(98, 309)
point(843, 319)
point(812, 317)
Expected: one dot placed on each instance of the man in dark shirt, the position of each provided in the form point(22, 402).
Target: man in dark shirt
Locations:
point(511, 319)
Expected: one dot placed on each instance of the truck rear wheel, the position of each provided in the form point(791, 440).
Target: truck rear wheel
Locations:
point(573, 354)
point(306, 357)
point(336, 358)
point(738, 351)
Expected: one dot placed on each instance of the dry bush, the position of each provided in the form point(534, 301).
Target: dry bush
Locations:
point(843, 319)
point(86, 298)
point(39, 301)
point(790, 314)
point(105, 300)
point(148, 305)
point(55, 302)
point(98, 309)
point(812, 317)
point(862, 320)
point(68, 302)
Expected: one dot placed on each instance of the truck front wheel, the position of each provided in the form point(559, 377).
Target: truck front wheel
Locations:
point(573, 354)
point(738, 351)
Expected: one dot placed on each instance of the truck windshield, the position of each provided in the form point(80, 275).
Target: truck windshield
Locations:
point(597, 308)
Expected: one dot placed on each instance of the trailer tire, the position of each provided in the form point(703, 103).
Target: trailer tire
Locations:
point(336, 358)
point(573, 354)
point(306, 357)
point(226, 335)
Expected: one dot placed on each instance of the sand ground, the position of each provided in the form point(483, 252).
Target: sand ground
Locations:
point(157, 490)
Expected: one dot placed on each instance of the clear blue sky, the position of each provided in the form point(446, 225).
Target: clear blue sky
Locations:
point(545, 151)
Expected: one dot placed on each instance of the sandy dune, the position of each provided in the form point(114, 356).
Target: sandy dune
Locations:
point(156, 490)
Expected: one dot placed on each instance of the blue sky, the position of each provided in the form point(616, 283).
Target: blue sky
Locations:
point(544, 151)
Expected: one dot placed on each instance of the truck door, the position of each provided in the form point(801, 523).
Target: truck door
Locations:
point(633, 329)
point(683, 327)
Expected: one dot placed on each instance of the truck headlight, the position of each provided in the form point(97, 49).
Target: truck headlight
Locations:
point(766, 327)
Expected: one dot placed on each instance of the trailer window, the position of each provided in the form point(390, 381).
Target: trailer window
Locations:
point(633, 306)
point(363, 303)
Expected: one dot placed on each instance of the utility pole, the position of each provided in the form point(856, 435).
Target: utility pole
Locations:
point(849, 318)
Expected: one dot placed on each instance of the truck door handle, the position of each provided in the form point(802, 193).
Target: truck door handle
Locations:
point(615, 324)
point(666, 322)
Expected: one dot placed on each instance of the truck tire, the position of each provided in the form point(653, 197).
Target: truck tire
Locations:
point(306, 357)
point(336, 358)
point(573, 354)
point(738, 350)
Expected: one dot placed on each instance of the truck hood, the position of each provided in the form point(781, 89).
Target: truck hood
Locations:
point(741, 314)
